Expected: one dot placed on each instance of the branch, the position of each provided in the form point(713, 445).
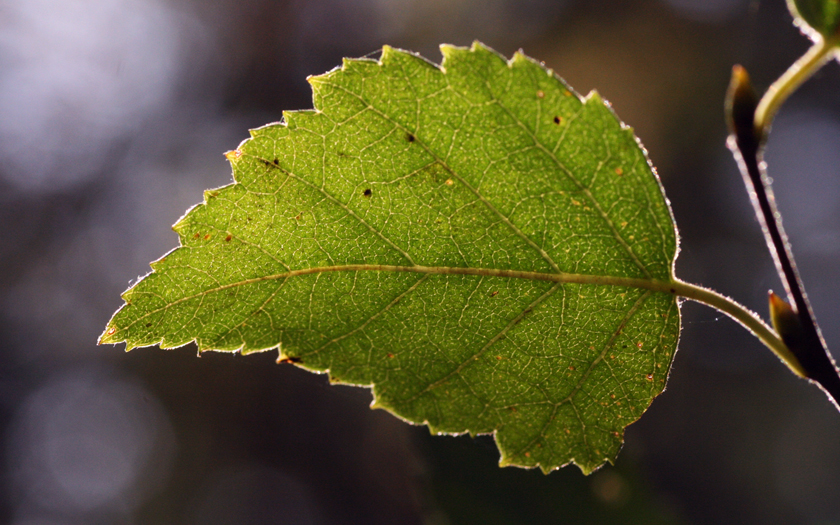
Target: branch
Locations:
point(749, 123)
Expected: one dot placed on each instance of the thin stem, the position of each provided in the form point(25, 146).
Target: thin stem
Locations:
point(821, 52)
point(749, 126)
point(748, 319)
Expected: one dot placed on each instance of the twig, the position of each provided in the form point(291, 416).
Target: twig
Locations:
point(749, 123)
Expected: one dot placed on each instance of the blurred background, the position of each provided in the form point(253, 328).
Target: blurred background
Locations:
point(114, 115)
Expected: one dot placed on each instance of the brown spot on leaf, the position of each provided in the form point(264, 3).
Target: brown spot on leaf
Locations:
point(558, 119)
point(619, 171)
point(207, 237)
point(228, 238)
point(449, 182)
point(649, 377)
point(409, 137)
point(639, 344)
point(390, 355)
point(111, 330)
point(494, 294)
point(571, 367)
point(197, 235)
point(540, 94)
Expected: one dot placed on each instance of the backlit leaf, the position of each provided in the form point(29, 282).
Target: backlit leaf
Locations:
point(473, 240)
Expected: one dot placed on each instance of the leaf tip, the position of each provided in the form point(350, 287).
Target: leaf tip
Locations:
point(449, 51)
point(478, 46)
point(316, 82)
point(520, 57)
point(233, 155)
point(387, 52)
point(593, 97)
point(586, 468)
point(105, 337)
point(112, 336)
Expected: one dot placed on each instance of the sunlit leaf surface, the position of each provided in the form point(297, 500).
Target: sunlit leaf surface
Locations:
point(442, 234)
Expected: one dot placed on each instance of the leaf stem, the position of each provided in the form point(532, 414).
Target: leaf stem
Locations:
point(817, 55)
point(744, 316)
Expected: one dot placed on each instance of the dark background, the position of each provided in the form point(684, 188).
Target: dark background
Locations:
point(114, 115)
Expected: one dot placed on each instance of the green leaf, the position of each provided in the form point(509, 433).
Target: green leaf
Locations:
point(487, 250)
point(822, 16)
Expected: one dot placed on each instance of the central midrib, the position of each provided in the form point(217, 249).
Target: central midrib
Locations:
point(655, 285)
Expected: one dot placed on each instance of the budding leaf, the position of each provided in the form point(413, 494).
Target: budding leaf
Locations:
point(461, 238)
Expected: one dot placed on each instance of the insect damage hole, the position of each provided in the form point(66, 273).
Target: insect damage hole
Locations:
point(558, 119)
point(367, 193)
point(410, 137)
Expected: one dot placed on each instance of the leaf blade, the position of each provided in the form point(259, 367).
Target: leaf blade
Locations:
point(471, 170)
